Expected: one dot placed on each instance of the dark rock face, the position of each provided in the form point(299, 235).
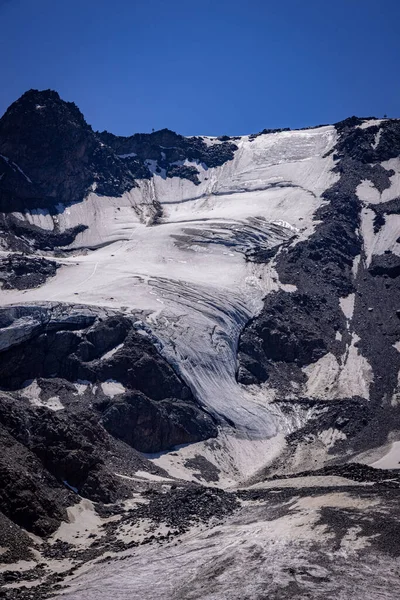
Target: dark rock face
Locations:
point(202, 468)
point(289, 329)
point(385, 265)
point(253, 136)
point(167, 149)
point(56, 350)
point(50, 455)
point(52, 156)
point(22, 236)
point(29, 495)
point(22, 272)
point(149, 426)
point(154, 392)
point(184, 172)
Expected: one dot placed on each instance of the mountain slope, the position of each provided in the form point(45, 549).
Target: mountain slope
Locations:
point(238, 297)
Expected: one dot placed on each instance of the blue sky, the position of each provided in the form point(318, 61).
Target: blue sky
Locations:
point(206, 67)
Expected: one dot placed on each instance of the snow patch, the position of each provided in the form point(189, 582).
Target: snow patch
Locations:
point(32, 392)
point(347, 306)
point(368, 193)
point(322, 377)
point(370, 123)
point(356, 264)
point(81, 386)
point(330, 436)
point(376, 141)
point(112, 388)
point(330, 379)
point(391, 460)
point(14, 166)
point(111, 352)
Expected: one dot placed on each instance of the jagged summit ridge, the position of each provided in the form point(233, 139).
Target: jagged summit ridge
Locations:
point(52, 157)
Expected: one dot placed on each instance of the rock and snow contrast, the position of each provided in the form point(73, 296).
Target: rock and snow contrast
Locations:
point(199, 360)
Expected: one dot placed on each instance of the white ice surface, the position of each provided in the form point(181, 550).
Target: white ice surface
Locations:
point(391, 460)
point(347, 306)
point(112, 388)
point(385, 239)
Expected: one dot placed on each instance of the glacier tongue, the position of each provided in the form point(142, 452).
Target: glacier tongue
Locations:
point(189, 272)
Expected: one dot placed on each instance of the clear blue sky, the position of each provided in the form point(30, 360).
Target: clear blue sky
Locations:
point(205, 66)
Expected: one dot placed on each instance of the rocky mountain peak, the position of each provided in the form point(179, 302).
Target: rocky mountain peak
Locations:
point(51, 157)
point(34, 105)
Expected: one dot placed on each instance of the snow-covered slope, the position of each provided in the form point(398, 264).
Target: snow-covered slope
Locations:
point(183, 256)
point(183, 311)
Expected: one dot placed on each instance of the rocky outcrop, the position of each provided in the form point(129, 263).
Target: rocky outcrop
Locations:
point(151, 427)
point(289, 329)
point(79, 382)
point(167, 147)
point(47, 454)
point(157, 411)
point(184, 172)
point(22, 272)
point(29, 495)
point(387, 265)
point(296, 329)
point(52, 157)
point(22, 236)
point(166, 152)
point(392, 207)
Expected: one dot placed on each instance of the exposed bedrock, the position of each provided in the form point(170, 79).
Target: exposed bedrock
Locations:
point(50, 155)
point(51, 158)
point(75, 345)
point(168, 148)
point(76, 383)
point(290, 329)
point(45, 453)
point(20, 235)
point(22, 272)
point(29, 495)
point(296, 329)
